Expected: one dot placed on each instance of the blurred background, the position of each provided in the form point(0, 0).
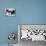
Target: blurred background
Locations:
point(27, 12)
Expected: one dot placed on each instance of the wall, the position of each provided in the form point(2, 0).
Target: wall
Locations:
point(7, 24)
point(31, 11)
point(27, 12)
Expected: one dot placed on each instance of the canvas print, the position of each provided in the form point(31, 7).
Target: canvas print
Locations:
point(10, 11)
